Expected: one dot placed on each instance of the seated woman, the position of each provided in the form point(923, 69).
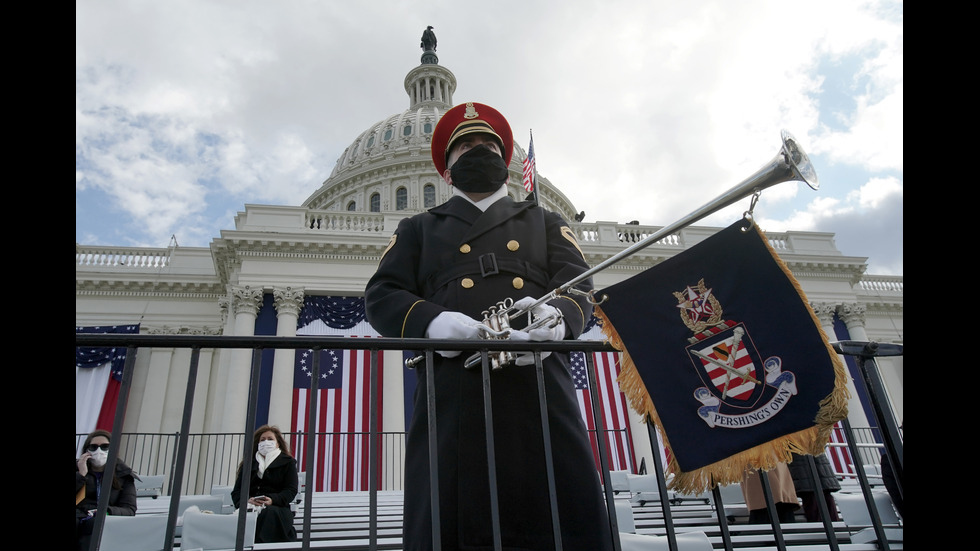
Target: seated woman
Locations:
point(89, 469)
point(273, 486)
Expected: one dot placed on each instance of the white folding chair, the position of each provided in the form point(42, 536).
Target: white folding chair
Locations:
point(150, 485)
point(300, 492)
point(643, 488)
point(873, 472)
point(855, 513)
point(624, 516)
point(688, 541)
point(200, 502)
point(208, 531)
point(136, 533)
point(733, 500)
point(204, 502)
point(857, 517)
point(224, 492)
point(619, 481)
point(631, 541)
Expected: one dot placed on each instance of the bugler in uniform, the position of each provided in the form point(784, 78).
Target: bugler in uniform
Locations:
point(457, 258)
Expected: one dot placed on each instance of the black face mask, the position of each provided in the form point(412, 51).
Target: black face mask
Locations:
point(479, 170)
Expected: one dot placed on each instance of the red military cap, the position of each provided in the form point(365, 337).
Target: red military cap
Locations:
point(467, 118)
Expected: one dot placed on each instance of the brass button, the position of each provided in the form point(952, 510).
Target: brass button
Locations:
point(513, 245)
point(466, 283)
point(518, 283)
point(464, 248)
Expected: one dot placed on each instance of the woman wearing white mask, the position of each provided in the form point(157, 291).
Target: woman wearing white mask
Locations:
point(89, 469)
point(274, 483)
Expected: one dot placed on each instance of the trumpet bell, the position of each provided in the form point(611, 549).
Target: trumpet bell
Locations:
point(799, 161)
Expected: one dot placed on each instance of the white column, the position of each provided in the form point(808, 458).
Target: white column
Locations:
point(288, 302)
point(202, 390)
point(825, 313)
point(393, 420)
point(218, 376)
point(245, 305)
point(853, 316)
point(151, 417)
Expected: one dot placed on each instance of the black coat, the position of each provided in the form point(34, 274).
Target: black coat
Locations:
point(445, 259)
point(122, 500)
point(279, 482)
point(802, 479)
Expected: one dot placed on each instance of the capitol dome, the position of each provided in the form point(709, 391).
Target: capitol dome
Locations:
point(388, 167)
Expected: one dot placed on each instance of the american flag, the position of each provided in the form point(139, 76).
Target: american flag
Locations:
point(838, 452)
point(612, 408)
point(341, 426)
point(529, 167)
point(98, 378)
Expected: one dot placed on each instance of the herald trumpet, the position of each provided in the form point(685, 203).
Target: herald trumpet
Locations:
point(790, 164)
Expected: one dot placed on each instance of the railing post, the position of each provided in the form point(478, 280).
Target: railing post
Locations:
point(777, 531)
point(181, 453)
point(726, 537)
point(309, 444)
point(114, 444)
point(248, 446)
point(818, 494)
point(600, 428)
point(658, 467)
point(430, 408)
point(491, 457)
point(548, 458)
point(865, 486)
point(372, 451)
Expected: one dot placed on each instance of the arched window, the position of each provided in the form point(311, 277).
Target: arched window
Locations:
point(375, 202)
point(401, 199)
point(387, 134)
point(371, 141)
point(429, 196)
point(427, 128)
point(407, 131)
point(352, 206)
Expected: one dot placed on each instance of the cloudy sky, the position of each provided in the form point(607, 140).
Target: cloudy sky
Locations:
point(645, 110)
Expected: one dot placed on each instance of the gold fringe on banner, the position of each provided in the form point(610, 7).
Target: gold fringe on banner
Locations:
point(810, 441)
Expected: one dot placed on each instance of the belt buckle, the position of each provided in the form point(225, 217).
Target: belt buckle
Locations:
point(488, 265)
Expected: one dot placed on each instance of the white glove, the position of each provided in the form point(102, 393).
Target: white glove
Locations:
point(526, 358)
point(544, 333)
point(452, 325)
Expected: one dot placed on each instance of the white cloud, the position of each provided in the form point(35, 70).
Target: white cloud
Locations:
point(641, 109)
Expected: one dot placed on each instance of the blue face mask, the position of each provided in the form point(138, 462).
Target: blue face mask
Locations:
point(479, 170)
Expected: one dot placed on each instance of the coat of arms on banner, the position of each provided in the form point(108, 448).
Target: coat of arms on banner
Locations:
point(740, 388)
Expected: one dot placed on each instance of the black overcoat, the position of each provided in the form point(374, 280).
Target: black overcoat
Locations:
point(455, 257)
point(122, 500)
point(280, 481)
point(799, 468)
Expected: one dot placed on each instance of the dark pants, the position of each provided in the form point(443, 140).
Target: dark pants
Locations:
point(83, 533)
point(275, 524)
point(785, 511)
point(811, 507)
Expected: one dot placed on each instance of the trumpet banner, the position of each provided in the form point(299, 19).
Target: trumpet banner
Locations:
point(724, 354)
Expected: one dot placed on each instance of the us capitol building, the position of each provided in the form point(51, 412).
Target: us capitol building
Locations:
point(256, 278)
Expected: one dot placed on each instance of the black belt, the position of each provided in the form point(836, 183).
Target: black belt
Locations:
point(488, 265)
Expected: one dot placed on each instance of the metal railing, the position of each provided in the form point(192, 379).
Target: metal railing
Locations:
point(172, 451)
point(149, 453)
